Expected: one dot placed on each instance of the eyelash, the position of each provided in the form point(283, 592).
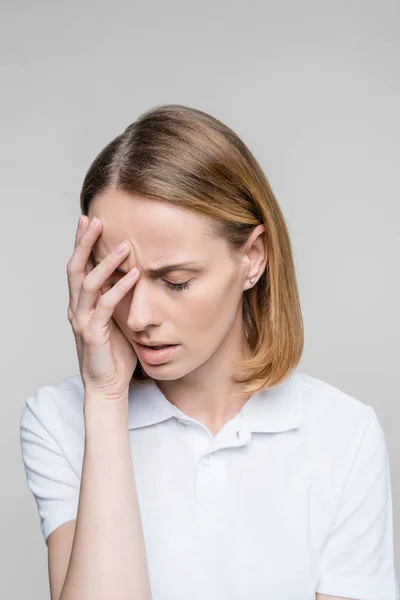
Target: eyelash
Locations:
point(178, 287)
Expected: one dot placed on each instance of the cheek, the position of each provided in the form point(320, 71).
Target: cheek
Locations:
point(209, 309)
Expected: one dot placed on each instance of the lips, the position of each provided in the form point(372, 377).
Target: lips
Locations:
point(155, 356)
point(155, 344)
point(161, 347)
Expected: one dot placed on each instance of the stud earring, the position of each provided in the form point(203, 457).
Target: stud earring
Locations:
point(252, 280)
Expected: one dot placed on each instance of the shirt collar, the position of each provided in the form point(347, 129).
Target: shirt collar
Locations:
point(279, 408)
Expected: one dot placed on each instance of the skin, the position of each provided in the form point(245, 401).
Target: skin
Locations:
point(205, 319)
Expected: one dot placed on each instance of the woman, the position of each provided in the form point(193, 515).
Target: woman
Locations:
point(211, 468)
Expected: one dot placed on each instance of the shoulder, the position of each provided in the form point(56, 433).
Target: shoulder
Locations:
point(335, 422)
point(55, 408)
point(325, 403)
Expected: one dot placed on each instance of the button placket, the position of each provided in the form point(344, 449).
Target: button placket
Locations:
point(208, 459)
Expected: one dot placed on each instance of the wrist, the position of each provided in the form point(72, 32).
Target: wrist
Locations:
point(99, 403)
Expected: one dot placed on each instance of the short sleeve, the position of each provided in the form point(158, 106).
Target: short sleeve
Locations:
point(53, 483)
point(357, 560)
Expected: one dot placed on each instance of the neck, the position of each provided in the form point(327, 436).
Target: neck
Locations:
point(209, 394)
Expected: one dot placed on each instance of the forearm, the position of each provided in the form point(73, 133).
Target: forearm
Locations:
point(108, 558)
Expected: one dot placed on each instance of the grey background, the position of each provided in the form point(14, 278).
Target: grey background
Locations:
point(312, 87)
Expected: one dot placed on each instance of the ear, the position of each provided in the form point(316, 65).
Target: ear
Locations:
point(254, 256)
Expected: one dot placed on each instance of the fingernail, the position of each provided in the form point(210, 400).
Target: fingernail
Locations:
point(93, 223)
point(120, 248)
point(132, 273)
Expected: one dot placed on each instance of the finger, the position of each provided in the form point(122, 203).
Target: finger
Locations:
point(72, 288)
point(78, 266)
point(80, 230)
point(94, 281)
point(108, 301)
point(79, 233)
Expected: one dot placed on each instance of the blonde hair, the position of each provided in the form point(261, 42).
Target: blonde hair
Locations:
point(185, 156)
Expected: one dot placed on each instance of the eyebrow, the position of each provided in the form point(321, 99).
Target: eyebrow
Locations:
point(186, 266)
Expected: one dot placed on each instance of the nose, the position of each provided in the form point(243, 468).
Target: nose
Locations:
point(143, 311)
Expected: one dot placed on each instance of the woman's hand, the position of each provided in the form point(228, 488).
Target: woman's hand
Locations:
point(106, 358)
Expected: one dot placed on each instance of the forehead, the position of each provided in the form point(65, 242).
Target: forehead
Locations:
point(155, 229)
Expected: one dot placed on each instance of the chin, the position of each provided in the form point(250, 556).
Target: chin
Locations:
point(169, 372)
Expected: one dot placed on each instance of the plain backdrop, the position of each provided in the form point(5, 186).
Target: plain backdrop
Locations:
point(312, 88)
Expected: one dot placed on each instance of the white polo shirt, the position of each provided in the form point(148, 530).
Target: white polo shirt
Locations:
point(291, 497)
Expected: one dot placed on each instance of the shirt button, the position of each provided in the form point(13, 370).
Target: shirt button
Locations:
point(208, 459)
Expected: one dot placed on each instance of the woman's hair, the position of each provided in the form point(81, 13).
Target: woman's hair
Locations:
point(189, 158)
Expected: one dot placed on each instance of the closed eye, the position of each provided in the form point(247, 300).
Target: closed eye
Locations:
point(176, 287)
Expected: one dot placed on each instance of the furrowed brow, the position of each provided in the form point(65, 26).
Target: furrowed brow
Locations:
point(185, 266)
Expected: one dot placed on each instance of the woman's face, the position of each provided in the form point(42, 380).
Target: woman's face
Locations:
point(197, 306)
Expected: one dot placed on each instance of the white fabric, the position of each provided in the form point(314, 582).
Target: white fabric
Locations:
point(291, 497)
